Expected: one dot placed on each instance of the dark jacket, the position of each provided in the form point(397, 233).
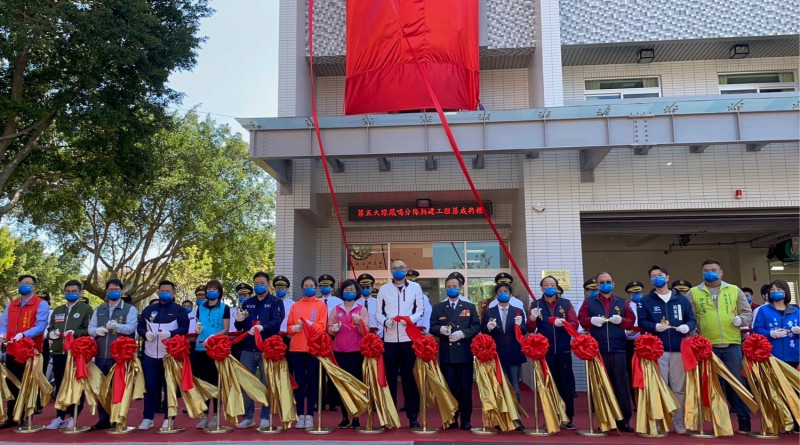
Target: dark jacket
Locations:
point(268, 312)
point(164, 314)
point(560, 340)
point(610, 337)
point(677, 311)
point(508, 348)
point(75, 318)
point(464, 318)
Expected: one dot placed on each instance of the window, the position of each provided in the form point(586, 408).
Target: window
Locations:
point(486, 255)
point(604, 89)
point(756, 83)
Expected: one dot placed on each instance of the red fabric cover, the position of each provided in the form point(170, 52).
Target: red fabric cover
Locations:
point(83, 349)
point(381, 73)
point(20, 319)
point(178, 348)
point(122, 350)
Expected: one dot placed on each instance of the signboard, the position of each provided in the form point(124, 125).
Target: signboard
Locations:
point(453, 210)
point(562, 275)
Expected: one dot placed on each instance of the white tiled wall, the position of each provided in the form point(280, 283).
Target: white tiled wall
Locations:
point(689, 78)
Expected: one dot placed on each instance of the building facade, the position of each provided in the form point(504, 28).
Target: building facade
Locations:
point(614, 135)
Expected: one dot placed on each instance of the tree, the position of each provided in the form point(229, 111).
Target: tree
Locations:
point(205, 194)
point(81, 82)
point(191, 270)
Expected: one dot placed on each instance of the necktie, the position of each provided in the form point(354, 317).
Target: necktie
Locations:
point(453, 305)
point(503, 315)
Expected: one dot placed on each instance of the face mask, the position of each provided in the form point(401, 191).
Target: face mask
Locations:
point(749, 299)
point(280, 293)
point(593, 293)
point(114, 295)
point(72, 296)
point(188, 310)
point(243, 299)
point(24, 289)
point(212, 294)
point(348, 295)
point(636, 298)
point(606, 288)
point(165, 296)
point(659, 281)
point(200, 301)
point(777, 295)
point(710, 276)
point(325, 290)
point(452, 293)
point(503, 297)
point(365, 292)
point(399, 275)
point(310, 291)
point(260, 289)
point(550, 291)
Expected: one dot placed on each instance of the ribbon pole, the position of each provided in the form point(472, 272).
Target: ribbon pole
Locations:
point(591, 432)
point(319, 429)
point(424, 429)
point(536, 431)
point(700, 434)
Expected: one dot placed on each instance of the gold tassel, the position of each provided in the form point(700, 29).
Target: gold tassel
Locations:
point(380, 395)
point(194, 399)
point(234, 378)
point(774, 394)
point(498, 402)
point(5, 392)
point(438, 391)
point(656, 402)
point(352, 391)
point(604, 400)
point(134, 390)
point(553, 406)
point(34, 384)
point(279, 386)
point(71, 389)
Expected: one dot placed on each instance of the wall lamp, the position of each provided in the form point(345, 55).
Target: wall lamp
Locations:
point(740, 51)
point(646, 55)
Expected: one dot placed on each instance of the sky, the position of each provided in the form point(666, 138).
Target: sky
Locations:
point(236, 74)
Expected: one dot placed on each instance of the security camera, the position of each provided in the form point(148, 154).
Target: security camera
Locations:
point(539, 208)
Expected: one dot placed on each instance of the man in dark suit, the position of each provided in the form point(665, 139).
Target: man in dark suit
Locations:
point(499, 322)
point(456, 323)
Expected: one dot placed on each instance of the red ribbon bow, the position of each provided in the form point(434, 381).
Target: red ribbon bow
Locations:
point(83, 349)
point(178, 348)
point(485, 350)
point(319, 344)
point(646, 347)
point(274, 350)
point(757, 348)
point(23, 350)
point(218, 347)
point(534, 347)
point(372, 347)
point(123, 349)
point(693, 351)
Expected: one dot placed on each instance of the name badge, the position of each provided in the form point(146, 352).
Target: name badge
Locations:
point(60, 317)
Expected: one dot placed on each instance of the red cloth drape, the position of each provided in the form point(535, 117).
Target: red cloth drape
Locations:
point(381, 73)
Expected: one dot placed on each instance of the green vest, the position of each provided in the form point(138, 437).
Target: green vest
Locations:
point(715, 323)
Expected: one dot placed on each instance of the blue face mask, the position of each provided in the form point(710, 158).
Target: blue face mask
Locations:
point(711, 276)
point(260, 289)
point(399, 275)
point(593, 293)
point(212, 294)
point(452, 293)
point(366, 292)
point(188, 310)
point(606, 288)
point(348, 295)
point(24, 289)
point(503, 297)
point(659, 281)
point(310, 291)
point(777, 295)
point(200, 301)
point(550, 291)
point(114, 295)
point(72, 296)
point(165, 296)
point(325, 290)
point(749, 299)
point(636, 298)
point(280, 293)
point(243, 299)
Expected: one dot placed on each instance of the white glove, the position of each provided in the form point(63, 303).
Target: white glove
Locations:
point(150, 336)
point(518, 320)
point(297, 328)
point(444, 330)
point(163, 335)
point(356, 318)
point(111, 325)
point(389, 323)
point(559, 322)
point(403, 323)
point(69, 332)
point(737, 321)
point(198, 329)
point(535, 312)
point(795, 329)
point(19, 336)
point(616, 319)
point(54, 334)
point(456, 336)
point(661, 327)
point(683, 329)
point(598, 321)
point(491, 325)
point(239, 316)
point(336, 326)
point(101, 331)
point(778, 333)
point(255, 328)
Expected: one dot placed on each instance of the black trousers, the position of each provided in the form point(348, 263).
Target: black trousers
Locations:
point(305, 369)
point(617, 370)
point(561, 370)
point(17, 369)
point(203, 367)
point(399, 360)
point(59, 363)
point(459, 379)
point(350, 362)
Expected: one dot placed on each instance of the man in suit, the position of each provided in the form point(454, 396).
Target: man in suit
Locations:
point(455, 322)
point(499, 322)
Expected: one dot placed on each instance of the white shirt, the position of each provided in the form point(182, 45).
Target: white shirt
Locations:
point(287, 304)
point(425, 322)
point(193, 321)
point(631, 334)
point(372, 308)
point(330, 301)
point(394, 300)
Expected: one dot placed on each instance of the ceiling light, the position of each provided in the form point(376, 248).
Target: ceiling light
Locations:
point(778, 268)
point(423, 203)
point(646, 55)
point(669, 163)
point(739, 51)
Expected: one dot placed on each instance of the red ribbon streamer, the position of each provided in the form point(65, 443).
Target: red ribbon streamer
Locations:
point(178, 348)
point(697, 351)
point(123, 349)
point(319, 344)
point(646, 347)
point(83, 349)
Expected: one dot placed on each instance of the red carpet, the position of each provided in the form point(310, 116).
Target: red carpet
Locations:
point(331, 419)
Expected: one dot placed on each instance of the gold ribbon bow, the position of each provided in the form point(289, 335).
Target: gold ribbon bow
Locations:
point(553, 407)
point(279, 386)
point(5, 392)
point(352, 391)
point(775, 385)
point(34, 384)
point(72, 389)
point(194, 399)
point(134, 390)
point(498, 402)
point(380, 395)
point(437, 390)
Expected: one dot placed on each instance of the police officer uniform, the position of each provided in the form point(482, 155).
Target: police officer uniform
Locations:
point(455, 322)
point(682, 286)
point(425, 322)
point(506, 278)
point(635, 287)
point(283, 294)
point(367, 283)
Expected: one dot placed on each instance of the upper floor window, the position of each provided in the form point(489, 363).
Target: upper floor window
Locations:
point(757, 83)
point(622, 88)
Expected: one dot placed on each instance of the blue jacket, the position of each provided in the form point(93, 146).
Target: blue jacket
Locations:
point(508, 348)
point(268, 312)
point(677, 310)
point(768, 318)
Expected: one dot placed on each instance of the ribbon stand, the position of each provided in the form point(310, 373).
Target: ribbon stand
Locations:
point(536, 431)
point(484, 430)
point(319, 430)
point(75, 428)
point(220, 429)
point(170, 428)
point(121, 429)
point(591, 432)
point(271, 429)
point(700, 434)
point(29, 428)
point(369, 429)
point(424, 428)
